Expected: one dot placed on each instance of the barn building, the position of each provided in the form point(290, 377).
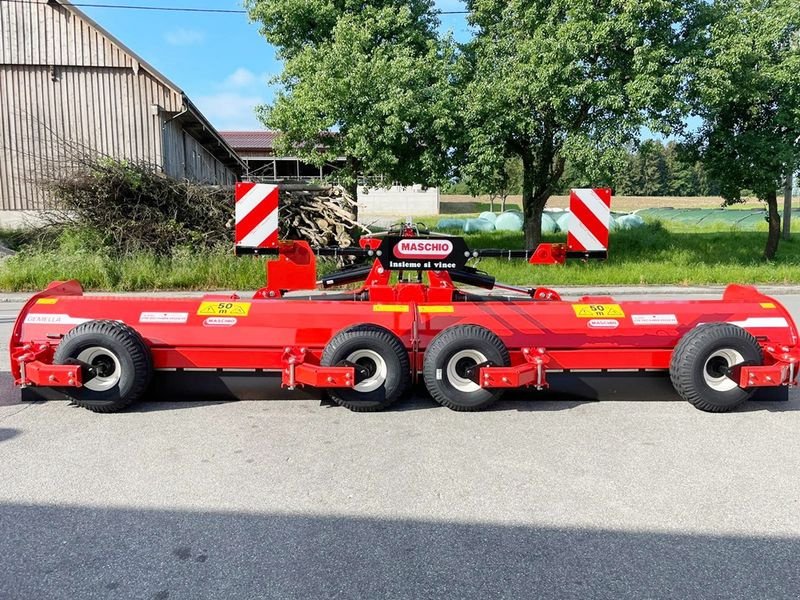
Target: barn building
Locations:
point(69, 87)
point(257, 150)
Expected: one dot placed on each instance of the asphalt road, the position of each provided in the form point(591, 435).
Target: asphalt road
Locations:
point(297, 500)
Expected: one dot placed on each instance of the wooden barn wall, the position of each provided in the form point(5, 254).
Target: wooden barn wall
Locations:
point(47, 124)
point(66, 90)
point(35, 33)
point(186, 158)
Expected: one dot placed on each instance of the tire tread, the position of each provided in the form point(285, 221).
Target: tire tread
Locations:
point(686, 353)
point(132, 343)
point(443, 339)
point(382, 335)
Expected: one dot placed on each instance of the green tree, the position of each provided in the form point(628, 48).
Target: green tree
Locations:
point(681, 176)
point(367, 80)
point(746, 88)
point(653, 168)
point(552, 80)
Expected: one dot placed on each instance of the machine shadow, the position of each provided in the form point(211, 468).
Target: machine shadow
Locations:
point(91, 552)
point(9, 394)
point(567, 391)
point(7, 433)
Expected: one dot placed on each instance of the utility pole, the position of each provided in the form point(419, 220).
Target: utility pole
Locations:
point(787, 206)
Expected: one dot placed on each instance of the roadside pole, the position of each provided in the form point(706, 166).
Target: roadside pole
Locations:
point(787, 207)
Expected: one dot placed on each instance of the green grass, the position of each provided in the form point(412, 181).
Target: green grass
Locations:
point(655, 254)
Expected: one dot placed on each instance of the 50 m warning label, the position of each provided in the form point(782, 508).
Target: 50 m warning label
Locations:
point(592, 311)
point(224, 309)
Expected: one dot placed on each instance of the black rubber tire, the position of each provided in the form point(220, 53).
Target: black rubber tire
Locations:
point(444, 347)
point(688, 364)
point(389, 347)
point(135, 364)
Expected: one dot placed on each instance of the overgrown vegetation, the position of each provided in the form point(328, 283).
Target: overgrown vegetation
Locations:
point(122, 208)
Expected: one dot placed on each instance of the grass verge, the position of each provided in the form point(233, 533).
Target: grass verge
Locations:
point(654, 254)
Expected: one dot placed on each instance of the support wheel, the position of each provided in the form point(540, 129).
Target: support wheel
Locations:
point(449, 359)
point(120, 357)
point(385, 361)
point(700, 363)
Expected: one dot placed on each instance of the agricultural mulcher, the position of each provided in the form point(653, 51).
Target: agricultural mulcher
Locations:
point(421, 314)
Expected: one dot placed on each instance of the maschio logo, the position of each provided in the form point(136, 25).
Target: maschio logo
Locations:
point(423, 248)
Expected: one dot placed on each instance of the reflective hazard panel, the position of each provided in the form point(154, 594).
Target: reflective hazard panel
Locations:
point(224, 309)
point(590, 311)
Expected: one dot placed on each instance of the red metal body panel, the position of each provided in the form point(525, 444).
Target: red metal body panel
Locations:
point(229, 332)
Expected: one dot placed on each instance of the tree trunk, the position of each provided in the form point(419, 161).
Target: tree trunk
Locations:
point(787, 205)
point(533, 221)
point(351, 185)
point(538, 178)
point(774, 220)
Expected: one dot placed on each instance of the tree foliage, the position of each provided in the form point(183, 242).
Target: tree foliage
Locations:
point(367, 80)
point(551, 81)
point(745, 85)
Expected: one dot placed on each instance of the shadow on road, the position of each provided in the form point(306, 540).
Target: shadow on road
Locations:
point(88, 552)
point(8, 433)
point(9, 394)
point(567, 392)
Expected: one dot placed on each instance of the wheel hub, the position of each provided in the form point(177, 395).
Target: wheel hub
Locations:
point(375, 366)
point(108, 370)
point(458, 368)
point(717, 367)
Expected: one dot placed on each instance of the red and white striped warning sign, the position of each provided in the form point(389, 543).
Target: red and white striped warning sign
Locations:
point(256, 215)
point(591, 215)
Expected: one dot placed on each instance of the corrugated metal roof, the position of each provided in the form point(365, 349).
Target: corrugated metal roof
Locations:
point(250, 140)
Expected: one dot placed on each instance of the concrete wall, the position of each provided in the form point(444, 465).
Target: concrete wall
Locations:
point(398, 201)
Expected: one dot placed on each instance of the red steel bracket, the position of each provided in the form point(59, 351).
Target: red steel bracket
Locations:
point(294, 269)
point(42, 374)
point(784, 371)
point(298, 372)
point(531, 372)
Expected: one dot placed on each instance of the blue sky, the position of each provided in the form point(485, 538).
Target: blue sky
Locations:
point(219, 60)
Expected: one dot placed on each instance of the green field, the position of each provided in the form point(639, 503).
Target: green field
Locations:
point(654, 254)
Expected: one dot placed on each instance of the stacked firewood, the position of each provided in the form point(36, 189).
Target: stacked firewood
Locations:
point(321, 217)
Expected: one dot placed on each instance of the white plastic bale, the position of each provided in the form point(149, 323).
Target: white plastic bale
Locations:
point(489, 216)
point(478, 226)
point(509, 221)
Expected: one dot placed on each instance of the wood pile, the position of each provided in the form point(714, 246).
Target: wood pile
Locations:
point(321, 217)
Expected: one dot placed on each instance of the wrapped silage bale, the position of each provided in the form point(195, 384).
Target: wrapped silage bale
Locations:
point(509, 221)
point(449, 224)
point(489, 216)
point(631, 221)
point(548, 224)
point(478, 226)
point(563, 221)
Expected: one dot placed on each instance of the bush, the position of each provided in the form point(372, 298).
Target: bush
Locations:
point(127, 207)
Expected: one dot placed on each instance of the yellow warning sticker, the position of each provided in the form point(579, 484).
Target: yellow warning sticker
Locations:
point(590, 311)
point(767, 305)
point(400, 308)
point(224, 309)
point(436, 309)
point(47, 301)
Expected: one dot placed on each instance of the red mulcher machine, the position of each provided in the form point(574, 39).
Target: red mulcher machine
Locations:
point(408, 322)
